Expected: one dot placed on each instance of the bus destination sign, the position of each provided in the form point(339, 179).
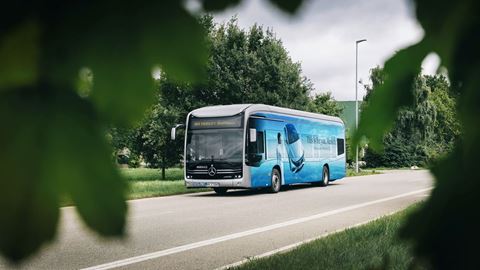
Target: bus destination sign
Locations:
point(216, 122)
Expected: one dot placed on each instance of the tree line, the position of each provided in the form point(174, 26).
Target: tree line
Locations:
point(244, 66)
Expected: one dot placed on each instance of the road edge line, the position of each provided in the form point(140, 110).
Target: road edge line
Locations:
point(290, 247)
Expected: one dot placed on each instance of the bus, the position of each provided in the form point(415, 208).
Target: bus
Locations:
point(250, 146)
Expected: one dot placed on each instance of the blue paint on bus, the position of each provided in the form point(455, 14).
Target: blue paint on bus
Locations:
point(306, 145)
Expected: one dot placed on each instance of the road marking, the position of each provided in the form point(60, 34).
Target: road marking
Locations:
point(161, 253)
point(294, 245)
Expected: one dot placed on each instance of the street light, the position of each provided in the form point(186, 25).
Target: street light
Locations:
point(356, 97)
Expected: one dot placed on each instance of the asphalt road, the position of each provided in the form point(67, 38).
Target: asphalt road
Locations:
point(206, 231)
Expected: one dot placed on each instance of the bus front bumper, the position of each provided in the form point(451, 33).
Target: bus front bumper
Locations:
point(204, 183)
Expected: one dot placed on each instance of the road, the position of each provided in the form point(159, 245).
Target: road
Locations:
point(206, 231)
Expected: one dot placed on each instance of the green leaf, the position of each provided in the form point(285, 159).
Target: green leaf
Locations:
point(80, 159)
point(52, 146)
point(401, 71)
point(290, 6)
point(218, 5)
point(29, 201)
point(19, 53)
point(122, 52)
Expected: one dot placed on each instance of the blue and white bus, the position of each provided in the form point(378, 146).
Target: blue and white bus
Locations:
point(261, 146)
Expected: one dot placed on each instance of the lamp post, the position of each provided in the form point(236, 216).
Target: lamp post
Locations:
point(356, 97)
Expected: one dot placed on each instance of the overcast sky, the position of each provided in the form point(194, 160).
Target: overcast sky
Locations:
point(322, 37)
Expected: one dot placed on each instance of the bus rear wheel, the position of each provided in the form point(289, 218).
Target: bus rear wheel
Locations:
point(276, 181)
point(220, 190)
point(325, 177)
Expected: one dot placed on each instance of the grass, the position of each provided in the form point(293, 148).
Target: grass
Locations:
point(145, 182)
point(146, 174)
point(145, 189)
point(351, 172)
point(371, 246)
point(391, 168)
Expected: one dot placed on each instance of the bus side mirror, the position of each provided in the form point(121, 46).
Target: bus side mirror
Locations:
point(173, 132)
point(253, 135)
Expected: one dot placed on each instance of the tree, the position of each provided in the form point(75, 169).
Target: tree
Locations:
point(422, 132)
point(325, 104)
point(250, 66)
point(377, 78)
point(151, 137)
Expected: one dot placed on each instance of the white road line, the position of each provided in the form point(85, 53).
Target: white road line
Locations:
point(161, 253)
point(294, 245)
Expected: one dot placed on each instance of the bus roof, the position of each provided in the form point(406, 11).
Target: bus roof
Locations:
point(234, 109)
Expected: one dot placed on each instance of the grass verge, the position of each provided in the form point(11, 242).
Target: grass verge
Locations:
point(351, 172)
point(147, 174)
point(145, 182)
point(392, 168)
point(145, 189)
point(372, 246)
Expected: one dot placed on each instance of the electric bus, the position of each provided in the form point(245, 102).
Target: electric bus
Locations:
point(260, 146)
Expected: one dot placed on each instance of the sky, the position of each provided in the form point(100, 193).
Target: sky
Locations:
point(322, 34)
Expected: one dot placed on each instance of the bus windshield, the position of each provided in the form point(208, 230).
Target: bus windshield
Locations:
point(225, 145)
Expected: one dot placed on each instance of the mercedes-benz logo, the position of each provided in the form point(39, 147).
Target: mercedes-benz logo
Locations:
point(212, 171)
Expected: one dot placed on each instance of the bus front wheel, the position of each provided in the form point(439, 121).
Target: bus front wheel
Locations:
point(220, 190)
point(276, 181)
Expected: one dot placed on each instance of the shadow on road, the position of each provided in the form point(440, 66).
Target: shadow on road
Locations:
point(250, 192)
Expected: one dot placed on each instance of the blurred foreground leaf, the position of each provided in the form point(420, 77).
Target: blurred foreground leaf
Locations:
point(445, 230)
point(215, 5)
point(52, 140)
point(19, 56)
point(290, 6)
point(121, 46)
point(57, 141)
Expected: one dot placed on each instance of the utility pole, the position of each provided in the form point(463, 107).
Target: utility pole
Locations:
point(356, 97)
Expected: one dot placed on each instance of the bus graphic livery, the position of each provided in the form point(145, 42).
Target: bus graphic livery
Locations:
point(296, 155)
point(261, 146)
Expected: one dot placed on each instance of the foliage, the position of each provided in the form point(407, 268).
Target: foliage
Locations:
point(152, 138)
point(325, 104)
point(53, 142)
point(149, 174)
point(244, 66)
point(422, 132)
point(445, 230)
point(250, 66)
point(377, 78)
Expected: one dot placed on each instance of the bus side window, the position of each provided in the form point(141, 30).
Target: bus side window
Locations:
point(340, 146)
point(260, 142)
